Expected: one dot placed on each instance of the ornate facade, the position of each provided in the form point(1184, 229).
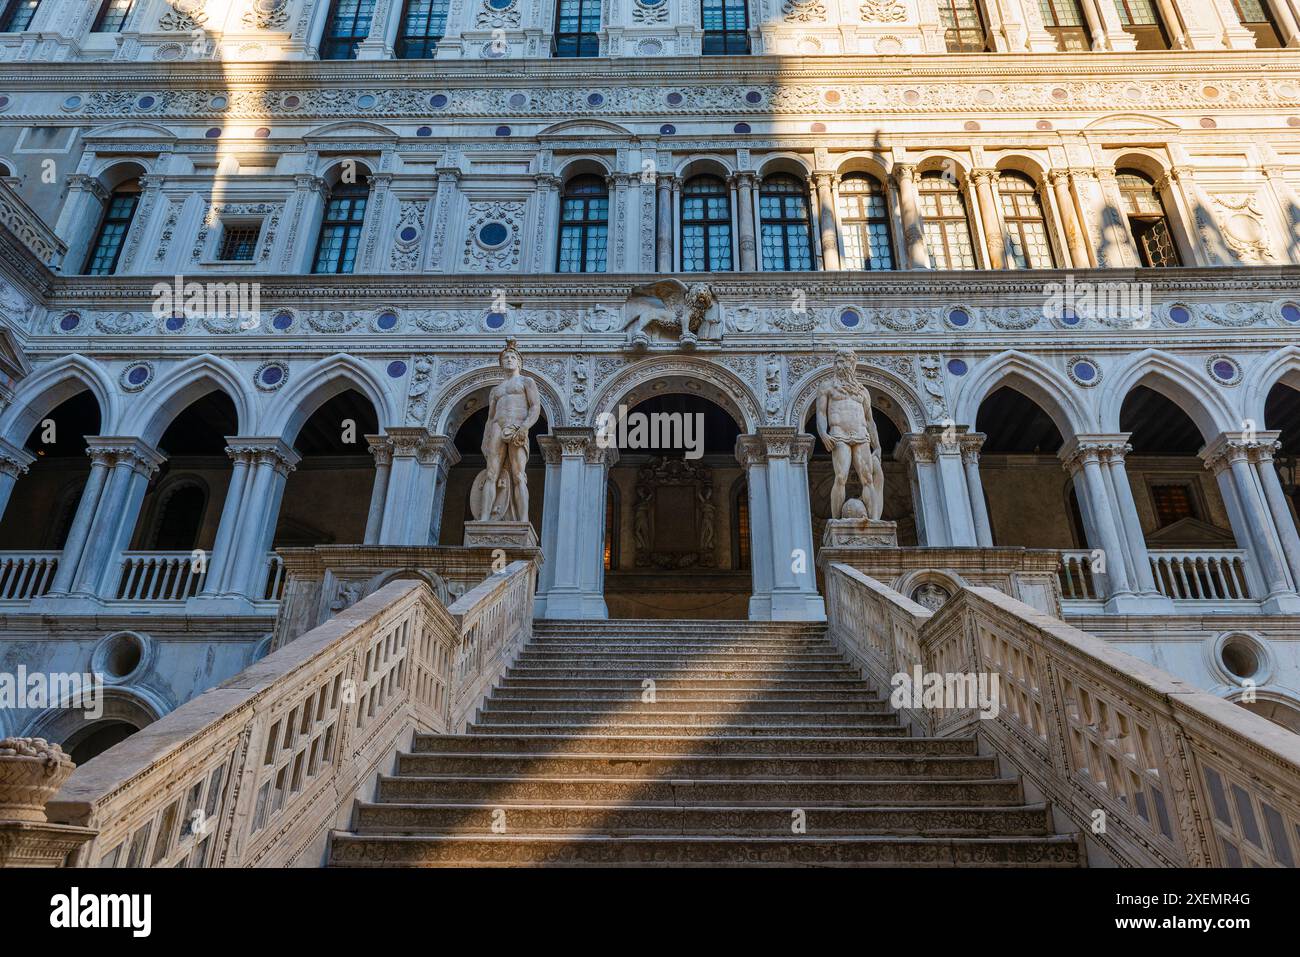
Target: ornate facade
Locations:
point(265, 270)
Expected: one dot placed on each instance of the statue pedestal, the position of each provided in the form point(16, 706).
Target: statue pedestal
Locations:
point(487, 534)
point(859, 533)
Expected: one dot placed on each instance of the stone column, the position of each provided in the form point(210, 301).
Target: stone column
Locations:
point(1115, 246)
point(1261, 459)
point(1118, 39)
point(1171, 193)
point(1096, 29)
point(620, 247)
point(1137, 559)
point(985, 179)
point(1078, 248)
point(383, 456)
point(775, 460)
point(372, 250)
point(548, 214)
point(1286, 22)
point(916, 452)
point(971, 443)
point(572, 583)
point(1082, 459)
point(744, 183)
point(130, 464)
point(220, 561)
point(1229, 457)
point(417, 481)
point(304, 215)
point(1178, 39)
point(101, 463)
point(826, 219)
point(664, 225)
point(270, 460)
point(14, 462)
point(78, 219)
point(910, 207)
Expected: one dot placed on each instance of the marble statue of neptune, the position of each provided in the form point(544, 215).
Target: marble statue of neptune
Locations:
point(846, 428)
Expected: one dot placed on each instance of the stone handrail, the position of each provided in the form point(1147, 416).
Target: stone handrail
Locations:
point(256, 771)
point(29, 229)
point(1152, 771)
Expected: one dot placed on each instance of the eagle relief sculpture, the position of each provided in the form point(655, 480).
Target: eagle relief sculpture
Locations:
point(687, 314)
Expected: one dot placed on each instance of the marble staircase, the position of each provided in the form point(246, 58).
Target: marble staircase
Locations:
point(681, 743)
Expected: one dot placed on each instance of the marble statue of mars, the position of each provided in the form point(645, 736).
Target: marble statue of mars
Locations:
point(513, 408)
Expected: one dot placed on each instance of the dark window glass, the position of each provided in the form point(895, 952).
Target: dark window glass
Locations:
point(1256, 17)
point(119, 212)
point(112, 15)
point(577, 28)
point(340, 231)
point(238, 243)
point(1172, 503)
point(181, 520)
point(1147, 220)
point(864, 217)
point(963, 26)
point(947, 227)
point(726, 26)
point(347, 26)
point(706, 225)
point(17, 15)
point(786, 228)
point(1140, 18)
point(1022, 214)
point(1064, 20)
point(584, 225)
point(423, 24)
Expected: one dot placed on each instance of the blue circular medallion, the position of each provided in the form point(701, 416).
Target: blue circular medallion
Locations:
point(396, 369)
point(365, 101)
point(386, 320)
point(741, 128)
point(503, 131)
point(424, 131)
point(1069, 317)
point(438, 101)
point(137, 375)
point(493, 234)
point(957, 366)
point(495, 320)
point(408, 234)
point(1291, 312)
point(850, 318)
point(595, 99)
point(1180, 315)
point(667, 129)
point(69, 322)
point(145, 103)
point(959, 318)
point(753, 96)
point(271, 375)
point(282, 321)
point(213, 133)
point(1085, 371)
point(174, 323)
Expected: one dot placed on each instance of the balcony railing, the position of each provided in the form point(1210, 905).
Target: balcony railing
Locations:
point(26, 575)
point(1075, 575)
point(1207, 575)
point(160, 576)
point(274, 590)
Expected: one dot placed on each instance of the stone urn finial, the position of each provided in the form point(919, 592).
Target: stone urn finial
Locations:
point(31, 772)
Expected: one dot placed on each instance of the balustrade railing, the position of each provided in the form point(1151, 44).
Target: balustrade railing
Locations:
point(1215, 575)
point(1075, 576)
point(274, 590)
point(1181, 777)
point(256, 771)
point(160, 576)
point(26, 575)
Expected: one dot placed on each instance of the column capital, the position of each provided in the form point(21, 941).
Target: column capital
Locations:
point(310, 183)
point(1058, 176)
point(916, 448)
point(380, 449)
point(666, 180)
point(1088, 447)
point(14, 460)
point(257, 449)
point(113, 450)
point(742, 179)
point(89, 184)
point(1227, 448)
point(421, 444)
point(971, 443)
point(547, 181)
point(572, 441)
point(825, 177)
point(904, 172)
point(774, 442)
point(983, 175)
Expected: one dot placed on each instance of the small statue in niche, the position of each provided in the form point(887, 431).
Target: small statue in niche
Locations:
point(708, 512)
point(642, 532)
point(500, 491)
point(847, 430)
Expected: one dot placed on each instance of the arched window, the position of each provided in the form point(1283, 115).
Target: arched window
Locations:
point(180, 518)
point(1147, 220)
point(16, 15)
point(340, 230)
point(1064, 20)
point(1142, 19)
point(347, 25)
point(726, 26)
point(947, 227)
point(706, 225)
point(786, 227)
point(864, 216)
point(1256, 17)
point(1022, 214)
point(107, 248)
point(740, 524)
point(963, 26)
point(112, 16)
point(423, 24)
point(584, 225)
point(577, 28)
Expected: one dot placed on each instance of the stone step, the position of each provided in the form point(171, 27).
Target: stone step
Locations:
point(742, 706)
point(526, 819)
point(698, 766)
point(746, 672)
point(633, 658)
point(653, 626)
point(689, 684)
point(676, 744)
point(890, 728)
point(662, 695)
point(748, 792)
point(703, 644)
point(697, 718)
point(505, 850)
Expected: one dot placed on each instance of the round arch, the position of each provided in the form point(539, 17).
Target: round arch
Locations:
point(1024, 164)
point(467, 394)
point(52, 385)
point(181, 386)
point(713, 382)
point(1050, 390)
point(1279, 367)
point(904, 407)
point(1177, 382)
point(944, 161)
point(708, 165)
point(113, 171)
point(868, 163)
point(319, 383)
point(137, 707)
point(1145, 162)
point(584, 166)
point(791, 164)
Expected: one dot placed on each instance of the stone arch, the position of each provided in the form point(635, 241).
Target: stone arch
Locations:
point(1023, 163)
point(1147, 162)
point(904, 409)
point(709, 164)
point(320, 382)
point(584, 165)
point(1177, 382)
point(918, 585)
point(113, 171)
point(167, 490)
point(137, 706)
point(435, 582)
point(331, 170)
point(1056, 395)
point(868, 163)
point(452, 409)
point(941, 160)
point(790, 163)
point(45, 389)
point(1281, 366)
point(571, 128)
point(727, 389)
point(182, 385)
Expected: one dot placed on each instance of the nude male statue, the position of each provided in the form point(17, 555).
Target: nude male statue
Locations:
point(846, 428)
point(513, 408)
